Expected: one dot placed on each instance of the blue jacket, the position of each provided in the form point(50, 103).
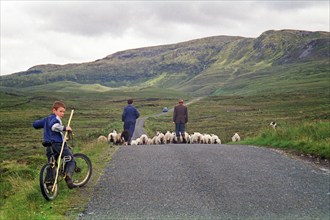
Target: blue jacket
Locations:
point(130, 114)
point(51, 133)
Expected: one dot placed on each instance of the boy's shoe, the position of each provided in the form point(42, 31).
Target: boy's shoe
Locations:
point(69, 182)
point(49, 185)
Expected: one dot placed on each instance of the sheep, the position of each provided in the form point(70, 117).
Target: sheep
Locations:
point(168, 137)
point(144, 139)
point(196, 138)
point(188, 138)
point(134, 142)
point(273, 124)
point(160, 138)
point(185, 138)
point(215, 139)
point(111, 136)
point(102, 139)
point(154, 140)
point(118, 139)
point(207, 139)
point(236, 137)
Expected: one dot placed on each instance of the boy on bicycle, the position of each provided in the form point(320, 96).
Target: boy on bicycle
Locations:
point(53, 140)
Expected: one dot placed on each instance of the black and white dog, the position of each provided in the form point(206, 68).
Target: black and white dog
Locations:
point(273, 124)
point(124, 137)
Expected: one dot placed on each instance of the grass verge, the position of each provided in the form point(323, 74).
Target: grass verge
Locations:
point(24, 199)
point(305, 137)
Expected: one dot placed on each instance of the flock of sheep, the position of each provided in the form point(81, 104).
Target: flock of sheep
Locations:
point(167, 138)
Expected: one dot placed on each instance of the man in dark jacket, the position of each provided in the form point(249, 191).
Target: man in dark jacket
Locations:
point(129, 116)
point(180, 118)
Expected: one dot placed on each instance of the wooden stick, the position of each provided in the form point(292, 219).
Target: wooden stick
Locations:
point(59, 157)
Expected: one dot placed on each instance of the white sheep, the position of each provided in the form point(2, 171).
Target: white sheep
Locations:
point(143, 139)
point(207, 139)
point(111, 136)
point(196, 138)
point(160, 138)
point(118, 139)
point(174, 138)
point(185, 137)
point(168, 137)
point(215, 139)
point(102, 139)
point(154, 140)
point(134, 142)
point(236, 137)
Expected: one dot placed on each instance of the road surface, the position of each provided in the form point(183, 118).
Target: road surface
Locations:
point(185, 181)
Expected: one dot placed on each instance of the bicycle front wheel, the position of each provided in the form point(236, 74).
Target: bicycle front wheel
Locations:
point(83, 170)
point(46, 183)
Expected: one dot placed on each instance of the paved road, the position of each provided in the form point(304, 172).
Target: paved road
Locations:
point(208, 182)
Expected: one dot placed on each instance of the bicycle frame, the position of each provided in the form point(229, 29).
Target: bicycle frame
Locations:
point(59, 157)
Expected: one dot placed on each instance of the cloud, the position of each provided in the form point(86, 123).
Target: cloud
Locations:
point(39, 32)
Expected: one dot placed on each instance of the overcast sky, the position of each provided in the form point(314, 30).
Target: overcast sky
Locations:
point(61, 32)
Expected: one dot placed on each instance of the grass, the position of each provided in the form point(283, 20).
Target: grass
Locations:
point(22, 198)
point(303, 126)
point(304, 137)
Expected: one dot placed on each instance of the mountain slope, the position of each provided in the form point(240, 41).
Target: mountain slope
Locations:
point(213, 65)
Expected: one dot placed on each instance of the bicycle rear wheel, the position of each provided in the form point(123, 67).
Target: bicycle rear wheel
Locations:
point(83, 170)
point(46, 184)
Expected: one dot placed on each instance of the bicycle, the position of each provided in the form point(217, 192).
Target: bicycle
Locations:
point(82, 172)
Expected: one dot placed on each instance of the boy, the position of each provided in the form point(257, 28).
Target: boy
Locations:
point(53, 139)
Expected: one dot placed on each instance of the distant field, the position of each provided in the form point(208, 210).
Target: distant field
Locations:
point(99, 111)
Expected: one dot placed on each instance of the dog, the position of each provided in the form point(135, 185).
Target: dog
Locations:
point(273, 124)
point(124, 137)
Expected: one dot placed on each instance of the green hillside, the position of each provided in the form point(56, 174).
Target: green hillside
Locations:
point(288, 60)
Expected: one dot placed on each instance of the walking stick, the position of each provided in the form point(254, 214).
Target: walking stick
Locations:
point(59, 157)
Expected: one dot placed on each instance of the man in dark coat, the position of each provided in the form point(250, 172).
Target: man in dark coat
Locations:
point(180, 118)
point(129, 116)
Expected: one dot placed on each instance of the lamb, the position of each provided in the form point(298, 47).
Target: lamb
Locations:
point(102, 139)
point(215, 139)
point(236, 137)
point(112, 135)
point(273, 124)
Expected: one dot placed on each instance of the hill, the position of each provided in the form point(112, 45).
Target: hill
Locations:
point(289, 60)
